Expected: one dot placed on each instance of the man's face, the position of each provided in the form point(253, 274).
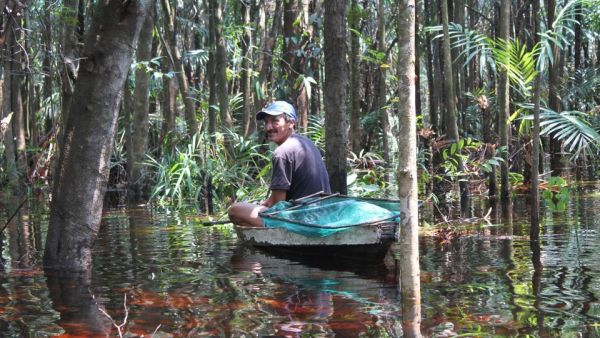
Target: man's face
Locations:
point(278, 128)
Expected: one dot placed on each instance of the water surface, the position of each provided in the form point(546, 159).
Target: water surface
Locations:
point(171, 276)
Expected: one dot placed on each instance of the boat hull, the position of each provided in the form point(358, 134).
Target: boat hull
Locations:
point(363, 242)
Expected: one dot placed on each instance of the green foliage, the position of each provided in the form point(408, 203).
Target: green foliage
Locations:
point(316, 131)
point(177, 176)
point(572, 128)
point(556, 194)
point(471, 153)
point(561, 32)
point(367, 178)
point(580, 88)
point(181, 177)
point(494, 55)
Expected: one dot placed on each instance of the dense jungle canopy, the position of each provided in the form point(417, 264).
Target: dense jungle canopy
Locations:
point(505, 90)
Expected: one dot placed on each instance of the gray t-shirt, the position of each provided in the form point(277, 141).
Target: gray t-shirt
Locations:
point(299, 168)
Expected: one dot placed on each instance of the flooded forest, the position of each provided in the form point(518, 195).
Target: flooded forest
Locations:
point(129, 128)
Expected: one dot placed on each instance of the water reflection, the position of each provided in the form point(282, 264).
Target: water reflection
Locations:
point(324, 297)
point(183, 279)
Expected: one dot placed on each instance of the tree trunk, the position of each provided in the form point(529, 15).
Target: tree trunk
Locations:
point(315, 63)
point(266, 56)
point(534, 231)
point(554, 70)
point(382, 88)
point(19, 110)
point(47, 70)
point(578, 37)
point(504, 104)
point(248, 120)
point(434, 73)
point(355, 76)
point(336, 78)
point(10, 146)
point(140, 125)
point(295, 22)
point(458, 69)
point(407, 171)
point(174, 55)
point(451, 123)
point(71, 54)
point(168, 102)
point(221, 67)
point(80, 184)
point(211, 72)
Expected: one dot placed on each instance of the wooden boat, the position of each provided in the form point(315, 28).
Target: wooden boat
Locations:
point(366, 240)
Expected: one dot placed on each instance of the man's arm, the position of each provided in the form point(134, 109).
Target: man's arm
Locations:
point(276, 196)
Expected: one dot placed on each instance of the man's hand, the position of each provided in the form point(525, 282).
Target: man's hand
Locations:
point(276, 196)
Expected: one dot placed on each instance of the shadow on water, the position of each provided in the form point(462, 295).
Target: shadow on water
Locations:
point(183, 279)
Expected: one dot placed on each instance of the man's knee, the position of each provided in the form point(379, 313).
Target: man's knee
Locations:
point(245, 214)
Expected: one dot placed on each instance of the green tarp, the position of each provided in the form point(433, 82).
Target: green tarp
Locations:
point(324, 216)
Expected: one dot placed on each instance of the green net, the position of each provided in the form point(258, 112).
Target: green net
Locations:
point(319, 217)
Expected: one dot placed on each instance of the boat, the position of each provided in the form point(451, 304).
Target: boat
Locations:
point(327, 225)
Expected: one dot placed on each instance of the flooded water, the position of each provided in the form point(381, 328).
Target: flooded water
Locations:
point(165, 275)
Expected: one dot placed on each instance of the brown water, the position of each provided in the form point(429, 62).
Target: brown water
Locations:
point(183, 279)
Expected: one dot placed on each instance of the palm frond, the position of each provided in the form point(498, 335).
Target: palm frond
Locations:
point(580, 88)
point(519, 63)
point(570, 127)
point(560, 33)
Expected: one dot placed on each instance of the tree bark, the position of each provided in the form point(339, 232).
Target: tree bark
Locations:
point(80, 184)
point(168, 102)
point(534, 230)
point(221, 67)
point(10, 146)
point(578, 37)
point(47, 69)
point(504, 104)
point(174, 55)
point(407, 171)
point(382, 87)
point(451, 123)
point(336, 77)
point(295, 22)
point(140, 125)
point(18, 109)
point(71, 54)
point(211, 72)
point(355, 76)
point(266, 56)
point(248, 119)
point(554, 75)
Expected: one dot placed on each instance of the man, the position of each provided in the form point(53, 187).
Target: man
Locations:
point(298, 169)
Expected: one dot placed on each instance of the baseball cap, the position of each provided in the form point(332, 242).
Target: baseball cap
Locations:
point(277, 108)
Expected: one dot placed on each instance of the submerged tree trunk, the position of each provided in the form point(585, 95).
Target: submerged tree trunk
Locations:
point(557, 157)
point(336, 78)
point(82, 173)
point(407, 171)
point(534, 231)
